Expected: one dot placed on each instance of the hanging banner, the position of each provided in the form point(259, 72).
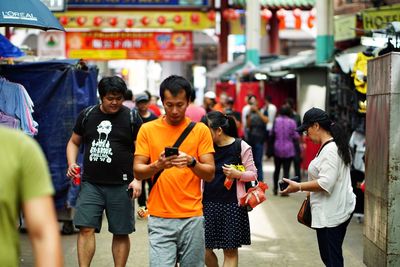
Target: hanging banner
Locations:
point(169, 46)
point(138, 3)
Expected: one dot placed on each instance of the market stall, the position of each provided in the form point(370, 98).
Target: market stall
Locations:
point(59, 91)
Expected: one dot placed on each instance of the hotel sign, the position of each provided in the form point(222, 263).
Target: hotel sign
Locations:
point(379, 18)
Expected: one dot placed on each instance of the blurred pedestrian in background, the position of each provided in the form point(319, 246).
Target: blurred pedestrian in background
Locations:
point(226, 223)
point(230, 111)
point(128, 102)
point(209, 101)
point(271, 113)
point(153, 104)
point(297, 159)
point(194, 111)
point(221, 103)
point(250, 100)
point(142, 105)
point(331, 194)
point(256, 121)
point(25, 185)
point(284, 149)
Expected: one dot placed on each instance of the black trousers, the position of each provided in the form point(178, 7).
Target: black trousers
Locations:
point(286, 168)
point(330, 241)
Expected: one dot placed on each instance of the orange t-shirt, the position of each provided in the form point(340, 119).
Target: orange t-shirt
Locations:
point(177, 192)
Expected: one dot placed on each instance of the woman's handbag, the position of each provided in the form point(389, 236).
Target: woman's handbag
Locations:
point(304, 214)
point(254, 196)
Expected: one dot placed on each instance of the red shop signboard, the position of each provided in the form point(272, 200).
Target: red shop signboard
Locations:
point(170, 46)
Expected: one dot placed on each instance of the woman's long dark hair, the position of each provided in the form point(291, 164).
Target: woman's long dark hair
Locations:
point(216, 119)
point(340, 138)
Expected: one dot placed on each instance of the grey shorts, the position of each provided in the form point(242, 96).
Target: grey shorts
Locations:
point(93, 199)
point(176, 240)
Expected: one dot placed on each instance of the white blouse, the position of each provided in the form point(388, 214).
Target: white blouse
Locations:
point(334, 205)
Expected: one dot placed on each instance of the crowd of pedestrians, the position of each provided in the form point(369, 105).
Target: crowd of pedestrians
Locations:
point(190, 194)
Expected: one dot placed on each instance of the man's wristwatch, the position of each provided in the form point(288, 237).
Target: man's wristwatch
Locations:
point(193, 163)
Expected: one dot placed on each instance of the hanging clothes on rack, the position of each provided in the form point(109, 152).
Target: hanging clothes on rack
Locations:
point(16, 102)
point(9, 121)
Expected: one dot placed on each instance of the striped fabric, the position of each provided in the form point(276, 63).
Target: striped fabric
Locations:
point(276, 4)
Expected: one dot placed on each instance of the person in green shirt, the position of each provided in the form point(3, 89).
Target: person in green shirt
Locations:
point(25, 185)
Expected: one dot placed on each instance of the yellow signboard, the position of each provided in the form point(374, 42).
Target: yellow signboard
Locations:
point(122, 20)
point(237, 27)
point(379, 18)
point(344, 27)
point(98, 54)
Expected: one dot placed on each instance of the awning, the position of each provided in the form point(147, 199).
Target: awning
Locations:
point(249, 67)
point(238, 67)
point(8, 50)
point(276, 4)
point(223, 68)
point(348, 57)
point(302, 59)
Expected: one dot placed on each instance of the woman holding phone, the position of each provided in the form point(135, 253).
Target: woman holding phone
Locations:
point(331, 194)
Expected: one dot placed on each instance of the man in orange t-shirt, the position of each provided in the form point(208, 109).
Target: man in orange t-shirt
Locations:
point(176, 223)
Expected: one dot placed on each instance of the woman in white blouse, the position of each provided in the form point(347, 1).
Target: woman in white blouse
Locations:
point(329, 183)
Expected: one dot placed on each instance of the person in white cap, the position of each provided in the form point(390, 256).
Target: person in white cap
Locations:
point(209, 101)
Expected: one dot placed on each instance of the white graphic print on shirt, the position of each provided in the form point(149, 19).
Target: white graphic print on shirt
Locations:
point(101, 149)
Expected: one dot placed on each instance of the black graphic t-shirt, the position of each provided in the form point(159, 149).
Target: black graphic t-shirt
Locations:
point(109, 144)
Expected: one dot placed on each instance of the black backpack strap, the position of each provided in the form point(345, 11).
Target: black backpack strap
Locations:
point(86, 115)
point(136, 122)
point(178, 142)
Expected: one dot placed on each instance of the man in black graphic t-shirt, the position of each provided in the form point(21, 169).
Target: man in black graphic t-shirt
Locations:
point(108, 135)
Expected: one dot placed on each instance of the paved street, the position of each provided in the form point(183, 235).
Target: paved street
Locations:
point(277, 239)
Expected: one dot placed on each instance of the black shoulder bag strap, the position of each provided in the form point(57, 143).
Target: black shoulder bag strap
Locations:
point(238, 149)
point(178, 142)
point(323, 145)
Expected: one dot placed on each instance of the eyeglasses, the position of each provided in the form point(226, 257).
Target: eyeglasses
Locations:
point(306, 131)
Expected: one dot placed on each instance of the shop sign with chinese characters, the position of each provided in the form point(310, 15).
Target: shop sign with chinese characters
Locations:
point(169, 46)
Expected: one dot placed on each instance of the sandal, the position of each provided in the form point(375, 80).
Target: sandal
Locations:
point(143, 213)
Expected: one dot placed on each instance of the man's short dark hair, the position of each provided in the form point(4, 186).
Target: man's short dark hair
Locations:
point(193, 95)
point(113, 84)
point(290, 102)
point(175, 84)
point(128, 95)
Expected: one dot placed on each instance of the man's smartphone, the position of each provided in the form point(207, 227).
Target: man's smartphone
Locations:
point(170, 151)
point(283, 185)
point(129, 191)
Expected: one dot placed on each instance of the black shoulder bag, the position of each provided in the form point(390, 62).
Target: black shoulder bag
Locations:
point(178, 142)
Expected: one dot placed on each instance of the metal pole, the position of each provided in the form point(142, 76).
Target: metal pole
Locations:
point(325, 41)
point(253, 31)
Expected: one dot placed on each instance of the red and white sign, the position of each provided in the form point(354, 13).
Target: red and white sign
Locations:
point(171, 46)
